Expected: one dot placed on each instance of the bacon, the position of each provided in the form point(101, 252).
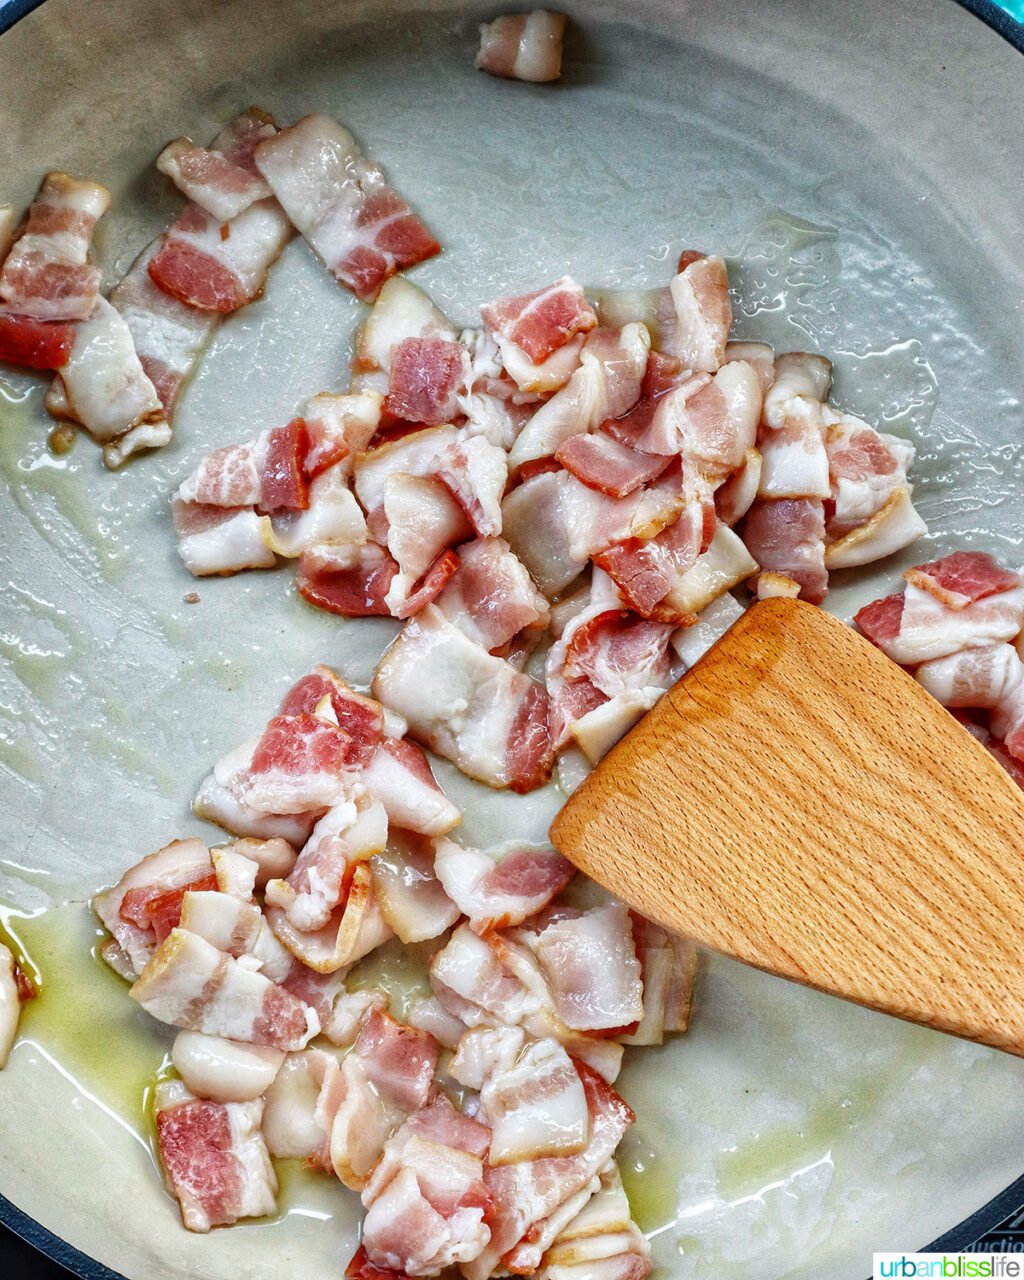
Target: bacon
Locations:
point(895, 525)
point(224, 1070)
point(411, 896)
point(466, 705)
point(352, 581)
point(425, 379)
point(46, 275)
point(103, 381)
point(423, 520)
point(470, 980)
point(700, 296)
point(416, 454)
point(124, 908)
point(214, 1157)
point(802, 380)
point(201, 266)
point(986, 676)
point(536, 1106)
point(401, 311)
point(228, 477)
point(298, 765)
point(399, 1061)
point(759, 355)
point(523, 46)
point(602, 1242)
point(190, 984)
point(216, 183)
point(618, 652)
point(646, 570)
point(710, 420)
point(35, 344)
point(356, 224)
point(571, 702)
point(361, 718)
point(540, 323)
point(429, 1014)
point(491, 597)
point(497, 890)
point(12, 996)
point(795, 463)
point(592, 969)
point(402, 1228)
point(533, 522)
point(235, 927)
point(915, 627)
point(333, 519)
point(218, 800)
point(353, 930)
point(601, 462)
point(283, 483)
point(668, 965)
point(787, 536)
point(338, 427)
point(400, 776)
point(317, 884)
point(169, 336)
point(865, 469)
point(160, 910)
point(961, 579)
point(528, 1194)
point(219, 540)
point(475, 473)
point(605, 385)
point(290, 1127)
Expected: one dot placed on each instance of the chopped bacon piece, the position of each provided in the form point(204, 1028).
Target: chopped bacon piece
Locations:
point(429, 586)
point(475, 709)
point(220, 540)
point(149, 908)
point(212, 180)
point(646, 569)
point(283, 483)
point(200, 266)
point(915, 627)
point(189, 983)
point(353, 929)
point(475, 473)
point(541, 322)
point(353, 581)
point(400, 1061)
point(237, 928)
point(523, 46)
point(700, 295)
point(592, 969)
point(339, 427)
point(880, 620)
point(46, 274)
point(399, 775)
point(787, 536)
point(361, 1268)
point(35, 344)
point(502, 890)
point(342, 205)
point(601, 462)
point(492, 597)
point(986, 676)
point(360, 718)
point(296, 765)
point(710, 419)
point(617, 651)
point(960, 579)
point(411, 897)
point(214, 1156)
point(602, 1242)
point(426, 377)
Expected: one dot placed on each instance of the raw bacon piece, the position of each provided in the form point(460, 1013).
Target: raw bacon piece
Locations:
point(426, 377)
point(401, 311)
point(475, 473)
point(160, 910)
point(35, 344)
point(601, 462)
point(915, 627)
point(466, 705)
point(602, 1242)
point(298, 765)
point(218, 801)
point(606, 384)
point(416, 454)
point(491, 597)
point(409, 893)
point(962, 578)
point(592, 969)
point(787, 536)
point(540, 323)
point(189, 983)
point(692, 642)
point(169, 336)
point(724, 565)
point(402, 1229)
point(533, 522)
point(357, 225)
point(399, 775)
point(283, 483)
point(399, 1061)
point(470, 980)
point(536, 1106)
point(338, 427)
point(528, 1195)
point(794, 460)
point(290, 1127)
point(361, 718)
point(523, 46)
point(209, 178)
point(201, 266)
point(353, 581)
point(668, 965)
point(317, 884)
point(759, 355)
point(332, 519)
point(646, 570)
point(228, 477)
point(123, 909)
point(987, 676)
point(220, 540)
point(353, 930)
point(214, 1157)
point(423, 521)
point(224, 1070)
point(46, 274)
point(802, 380)
point(235, 927)
point(497, 890)
point(865, 469)
point(618, 652)
point(103, 381)
point(894, 526)
point(700, 296)
point(712, 421)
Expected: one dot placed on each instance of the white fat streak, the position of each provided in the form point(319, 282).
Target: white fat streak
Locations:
point(104, 381)
point(236, 544)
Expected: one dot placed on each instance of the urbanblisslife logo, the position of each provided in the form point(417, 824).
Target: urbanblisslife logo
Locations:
point(947, 1266)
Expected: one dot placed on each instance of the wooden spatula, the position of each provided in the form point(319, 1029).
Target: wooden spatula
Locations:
point(799, 802)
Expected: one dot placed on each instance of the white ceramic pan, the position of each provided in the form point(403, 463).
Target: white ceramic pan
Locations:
point(860, 164)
